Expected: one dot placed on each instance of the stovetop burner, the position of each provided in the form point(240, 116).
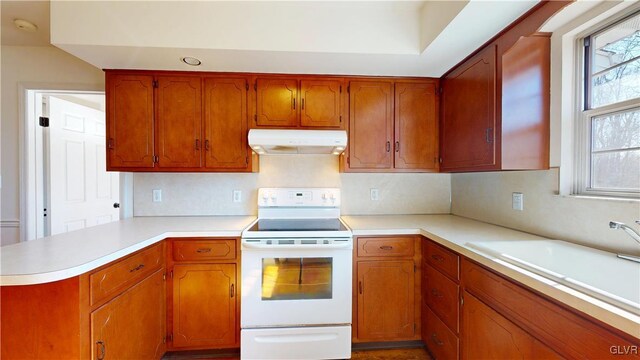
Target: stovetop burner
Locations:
point(298, 225)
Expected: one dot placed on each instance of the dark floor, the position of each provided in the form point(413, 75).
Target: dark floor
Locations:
point(394, 354)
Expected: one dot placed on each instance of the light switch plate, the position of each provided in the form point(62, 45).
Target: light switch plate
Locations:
point(375, 194)
point(157, 195)
point(237, 196)
point(517, 201)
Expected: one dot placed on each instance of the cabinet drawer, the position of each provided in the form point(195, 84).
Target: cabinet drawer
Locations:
point(442, 296)
point(442, 259)
point(442, 342)
point(119, 276)
point(386, 246)
point(198, 250)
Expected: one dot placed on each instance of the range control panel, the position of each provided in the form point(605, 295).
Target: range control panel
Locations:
point(298, 197)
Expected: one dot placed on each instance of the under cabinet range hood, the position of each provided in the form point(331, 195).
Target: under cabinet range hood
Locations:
point(291, 142)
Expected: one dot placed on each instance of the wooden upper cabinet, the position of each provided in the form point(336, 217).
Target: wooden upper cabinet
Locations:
point(321, 103)
point(179, 122)
point(132, 325)
point(385, 300)
point(469, 114)
point(277, 102)
point(370, 125)
point(416, 121)
point(129, 121)
point(225, 123)
point(205, 300)
point(525, 103)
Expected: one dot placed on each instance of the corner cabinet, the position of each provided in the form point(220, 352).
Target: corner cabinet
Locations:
point(177, 122)
point(469, 114)
point(392, 126)
point(495, 108)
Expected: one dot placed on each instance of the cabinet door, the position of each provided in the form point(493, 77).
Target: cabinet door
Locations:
point(179, 122)
point(385, 300)
point(320, 103)
point(488, 335)
point(129, 121)
point(204, 305)
point(132, 325)
point(416, 117)
point(370, 125)
point(225, 123)
point(469, 114)
point(278, 103)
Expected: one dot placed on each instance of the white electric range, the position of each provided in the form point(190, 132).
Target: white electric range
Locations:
point(296, 277)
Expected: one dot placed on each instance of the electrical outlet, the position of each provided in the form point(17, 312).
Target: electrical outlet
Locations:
point(237, 196)
point(157, 195)
point(375, 194)
point(517, 201)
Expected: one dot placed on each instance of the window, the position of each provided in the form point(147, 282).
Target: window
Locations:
point(609, 128)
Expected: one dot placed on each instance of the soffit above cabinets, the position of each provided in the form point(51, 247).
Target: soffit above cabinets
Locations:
point(402, 38)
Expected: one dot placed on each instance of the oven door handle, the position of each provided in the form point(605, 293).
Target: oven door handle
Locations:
point(296, 247)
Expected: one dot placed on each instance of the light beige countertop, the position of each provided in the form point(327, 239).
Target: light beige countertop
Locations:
point(66, 255)
point(74, 253)
point(458, 233)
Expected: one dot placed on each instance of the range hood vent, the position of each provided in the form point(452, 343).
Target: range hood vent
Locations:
point(293, 142)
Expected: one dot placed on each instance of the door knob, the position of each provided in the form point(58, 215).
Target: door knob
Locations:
point(116, 205)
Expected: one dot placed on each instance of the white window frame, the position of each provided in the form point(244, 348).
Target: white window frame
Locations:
point(582, 138)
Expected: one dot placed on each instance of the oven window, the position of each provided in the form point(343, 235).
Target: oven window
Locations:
point(297, 278)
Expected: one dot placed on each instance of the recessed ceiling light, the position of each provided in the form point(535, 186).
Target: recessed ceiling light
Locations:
point(191, 61)
point(25, 25)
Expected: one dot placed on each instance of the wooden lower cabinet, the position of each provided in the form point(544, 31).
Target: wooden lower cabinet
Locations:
point(385, 300)
point(488, 335)
point(204, 305)
point(132, 325)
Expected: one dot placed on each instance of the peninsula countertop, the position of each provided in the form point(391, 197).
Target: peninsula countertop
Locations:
point(74, 253)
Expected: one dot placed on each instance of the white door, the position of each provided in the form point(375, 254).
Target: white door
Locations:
point(81, 192)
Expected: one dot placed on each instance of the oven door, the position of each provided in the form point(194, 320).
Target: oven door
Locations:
point(295, 285)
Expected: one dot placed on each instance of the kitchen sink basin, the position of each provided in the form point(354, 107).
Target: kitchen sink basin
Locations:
point(597, 273)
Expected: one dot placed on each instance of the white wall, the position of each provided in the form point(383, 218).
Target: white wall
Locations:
point(44, 66)
point(487, 196)
point(211, 194)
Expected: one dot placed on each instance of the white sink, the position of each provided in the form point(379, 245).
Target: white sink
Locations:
point(597, 273)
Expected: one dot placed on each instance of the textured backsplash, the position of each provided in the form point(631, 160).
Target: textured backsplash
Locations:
point(211, 194)
point(487, 197)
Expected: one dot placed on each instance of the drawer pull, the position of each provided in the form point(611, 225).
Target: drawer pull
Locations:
point(203, 250)
point(436, 293)
point(437, 257)
point(386, 247)
point(435, 339)
point(136, 268)
point(102, 351)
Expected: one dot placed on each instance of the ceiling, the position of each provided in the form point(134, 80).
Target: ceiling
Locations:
point(403, 38)
point(36, 12)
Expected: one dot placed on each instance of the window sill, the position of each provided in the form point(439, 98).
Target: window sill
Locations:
point(600, 198)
